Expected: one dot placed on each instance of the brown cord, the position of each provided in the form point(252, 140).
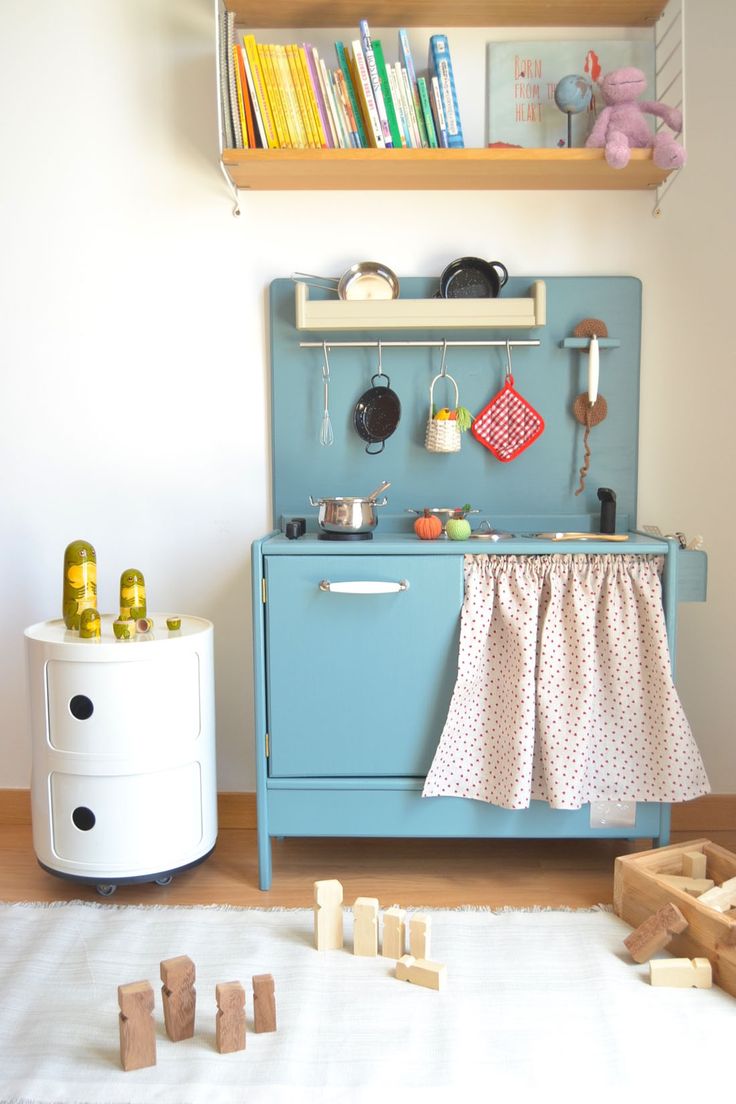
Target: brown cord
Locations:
point(589, 415)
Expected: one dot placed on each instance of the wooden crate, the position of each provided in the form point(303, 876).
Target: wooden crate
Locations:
point(638, 893)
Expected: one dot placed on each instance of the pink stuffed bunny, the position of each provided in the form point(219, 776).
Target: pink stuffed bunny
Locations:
point(621, 125)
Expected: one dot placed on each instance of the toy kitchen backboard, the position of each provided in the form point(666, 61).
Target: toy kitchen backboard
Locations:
point(534, 491)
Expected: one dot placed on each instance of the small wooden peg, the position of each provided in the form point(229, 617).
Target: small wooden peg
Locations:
point(365, 926)
point(394, 932)
point(179, 997)
point(264, 1003)
point(137, 1029)
point(420, 930)
point(230, 1020)
point(328, 931)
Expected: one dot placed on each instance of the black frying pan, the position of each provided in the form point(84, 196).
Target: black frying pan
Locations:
point(472, 278)
point(377, 413)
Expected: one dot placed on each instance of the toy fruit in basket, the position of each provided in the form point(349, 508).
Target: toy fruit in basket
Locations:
point(428, 526)
point(458, 527)
point(461, 415)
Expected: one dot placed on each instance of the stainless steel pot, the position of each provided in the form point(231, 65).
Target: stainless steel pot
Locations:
point(349, 515)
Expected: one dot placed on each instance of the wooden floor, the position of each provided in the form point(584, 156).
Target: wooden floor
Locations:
point(497, 873)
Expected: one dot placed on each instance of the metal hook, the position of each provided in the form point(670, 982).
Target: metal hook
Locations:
point(508, 359)
point(443, 363)
point(380, 360)
point(326, 364)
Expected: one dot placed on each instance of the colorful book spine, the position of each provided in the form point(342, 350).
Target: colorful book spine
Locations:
point(232, 82)
point(311, 56)
point(406, 54)
point(294, 122)
point(438, 113)
point(259, 81)
point(441, 67)
point(297, 81)
point(342, 139)
point(401, 121)
point(370, 61)
point(311, 98)
point(274, 97)
point(342, 61)
point(351, 121)
point(407, 107)
point(387, 93)
point(427, 115)
point(365, 91)
point(244, 101)
point(261, 138)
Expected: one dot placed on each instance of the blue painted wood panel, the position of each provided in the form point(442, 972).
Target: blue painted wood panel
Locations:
point(360, 684)
point(540, 482)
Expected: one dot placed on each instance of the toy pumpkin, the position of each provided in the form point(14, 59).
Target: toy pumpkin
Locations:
point(428, 526)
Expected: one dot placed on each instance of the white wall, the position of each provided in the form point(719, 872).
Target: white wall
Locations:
point(132, 332)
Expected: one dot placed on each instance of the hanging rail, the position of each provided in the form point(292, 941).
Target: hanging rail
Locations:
point(410, 344)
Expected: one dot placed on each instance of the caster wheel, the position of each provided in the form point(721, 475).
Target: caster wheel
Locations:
point(165, 879)
point(105, 890)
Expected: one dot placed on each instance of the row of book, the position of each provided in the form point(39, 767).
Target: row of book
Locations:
point(286, 97)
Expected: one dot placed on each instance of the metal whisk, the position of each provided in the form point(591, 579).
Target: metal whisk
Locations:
point(326, 436)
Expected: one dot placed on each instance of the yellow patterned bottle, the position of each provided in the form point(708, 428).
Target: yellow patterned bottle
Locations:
point(80, 581)
point(132, 594)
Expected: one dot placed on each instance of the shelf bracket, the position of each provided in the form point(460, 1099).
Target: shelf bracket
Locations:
point(233, 191)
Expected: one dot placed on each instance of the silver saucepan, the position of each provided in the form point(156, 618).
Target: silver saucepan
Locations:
point(349, 515)
point(365, 280)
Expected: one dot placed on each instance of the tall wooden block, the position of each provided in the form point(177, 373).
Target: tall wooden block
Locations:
point(179, 997)
point(264, 1003)
point(365, 926)
point(230, 1019)
point(328, 927)
point(394, 932)
point(420, 935)
point(137, 1029)
point(694, 864)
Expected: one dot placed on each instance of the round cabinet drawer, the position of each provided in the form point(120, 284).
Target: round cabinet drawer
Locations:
point(123, 708)
point(132, 822)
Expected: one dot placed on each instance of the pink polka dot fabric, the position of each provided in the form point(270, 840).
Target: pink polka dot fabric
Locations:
point(564, 692)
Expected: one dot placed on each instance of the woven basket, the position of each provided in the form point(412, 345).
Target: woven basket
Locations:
point(442, 436)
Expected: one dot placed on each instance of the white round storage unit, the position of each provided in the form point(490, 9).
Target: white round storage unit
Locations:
point(123, 784)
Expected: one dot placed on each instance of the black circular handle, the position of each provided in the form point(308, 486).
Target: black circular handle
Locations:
point(81, 707)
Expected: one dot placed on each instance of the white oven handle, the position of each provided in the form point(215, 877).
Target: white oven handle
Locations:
point(364, 586)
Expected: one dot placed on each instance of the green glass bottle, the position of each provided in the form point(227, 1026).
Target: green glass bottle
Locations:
point(80, 581)
point(132, 594)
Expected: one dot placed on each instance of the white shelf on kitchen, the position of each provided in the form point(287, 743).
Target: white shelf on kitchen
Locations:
point(423, 314)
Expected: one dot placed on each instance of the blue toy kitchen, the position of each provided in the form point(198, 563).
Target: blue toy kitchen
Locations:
point(357, 634)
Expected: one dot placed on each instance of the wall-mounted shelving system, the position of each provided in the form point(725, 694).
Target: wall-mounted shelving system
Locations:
point(452, 169)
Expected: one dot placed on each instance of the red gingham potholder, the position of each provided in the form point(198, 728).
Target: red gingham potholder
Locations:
point(508, 425)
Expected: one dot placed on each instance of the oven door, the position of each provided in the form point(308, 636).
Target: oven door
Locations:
point(362, 660)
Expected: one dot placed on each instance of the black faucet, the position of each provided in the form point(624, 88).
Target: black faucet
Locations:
point(607, 499)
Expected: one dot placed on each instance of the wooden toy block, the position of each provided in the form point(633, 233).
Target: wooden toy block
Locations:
point(722, 897)
point(137, 1029)
point(681, 973)
point(693, 886)
point(655, 933)
point(230, 1019)
point(365, 926)
point(264, 1003)
point(694, 864)
point(179, 997)
point(420, 931)
point(394, 932)
point(418, 971)
point(328, 930)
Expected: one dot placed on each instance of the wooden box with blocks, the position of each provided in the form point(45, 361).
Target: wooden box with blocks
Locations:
point(689, 875)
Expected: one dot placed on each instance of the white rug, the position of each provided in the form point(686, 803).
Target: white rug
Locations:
point(544, 1002)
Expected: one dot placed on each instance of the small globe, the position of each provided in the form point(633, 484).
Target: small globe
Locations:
point(573, 93)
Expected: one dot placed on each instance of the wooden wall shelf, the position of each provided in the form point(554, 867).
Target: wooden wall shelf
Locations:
point(425, 314)
point(438, 170)
point(463, 13)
